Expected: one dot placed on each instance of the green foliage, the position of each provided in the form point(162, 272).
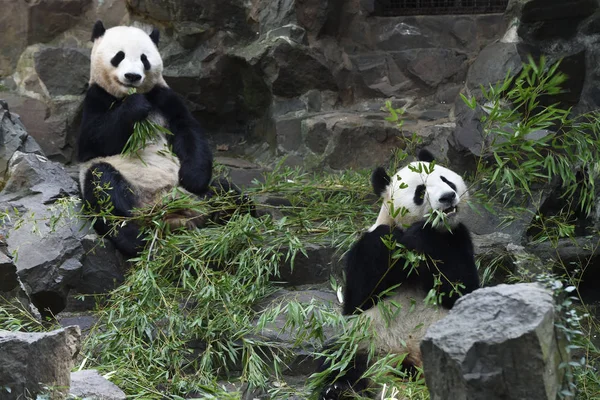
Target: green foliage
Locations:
point(186, 317)
point(144, 133)
point(528, 144)
point(532, 144)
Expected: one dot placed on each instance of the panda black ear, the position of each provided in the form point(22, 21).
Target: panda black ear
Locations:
point(155, 35)
point(98, 30)
point(425, 155)
point(380, 180)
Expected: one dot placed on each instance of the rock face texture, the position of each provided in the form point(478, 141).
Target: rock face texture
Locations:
point(89, 384)
point(247, 68)
point(41, 239)
point(496, 343)
point(30, 361)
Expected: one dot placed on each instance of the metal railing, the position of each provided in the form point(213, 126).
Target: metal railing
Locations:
point(439, 7)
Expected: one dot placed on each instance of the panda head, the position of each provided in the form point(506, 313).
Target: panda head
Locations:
point(416, 191)
point(125, 57)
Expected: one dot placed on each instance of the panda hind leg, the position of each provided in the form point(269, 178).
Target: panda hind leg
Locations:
point(349, 383)
point(227, 198)
point(104, 187)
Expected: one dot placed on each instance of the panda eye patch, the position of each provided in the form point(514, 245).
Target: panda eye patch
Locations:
point(419, 196)
point(116, 60)
point(145, 62)
point(452, 185)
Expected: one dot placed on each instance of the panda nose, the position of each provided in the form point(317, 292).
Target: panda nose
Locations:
point(133, 77)
point(448, 198)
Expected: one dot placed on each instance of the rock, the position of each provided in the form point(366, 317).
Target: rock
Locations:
point(496, 343)
point(225, 91)
point(44, 236)
point(315, 267)
point(25, 23)
point(90, 385)
point(287, 80)
point(304, 361)
point(63, 70)
point(436, 66)
point(13, 137)
point(380, 72)
point(12, 290)
point(553, 19)
point(102, 270)
point(222, 15)
point(492, 64)
point(33, 174)
point(30, 361)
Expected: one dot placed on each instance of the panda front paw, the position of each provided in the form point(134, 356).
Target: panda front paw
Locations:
point(137, 107)
point(334, 391)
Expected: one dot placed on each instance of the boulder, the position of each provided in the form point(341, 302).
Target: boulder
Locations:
point(90, 385)
point(29, 362)
point(13, 137)
point(64, 71)
point(12, 290)
point(44, 236)
point(496, 343)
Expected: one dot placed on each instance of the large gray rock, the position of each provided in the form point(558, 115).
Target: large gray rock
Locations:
point(90, 385)
point(12, 290)
point(63, 71)
point(30, 361)
point(13, 137)
point(493, 63)
point(496, 343)
point(46, 241)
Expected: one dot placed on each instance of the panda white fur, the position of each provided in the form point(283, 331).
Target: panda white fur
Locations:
point(412, 194)
point(123, 58)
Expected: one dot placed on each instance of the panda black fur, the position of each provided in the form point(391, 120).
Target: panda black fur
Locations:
point(123, 58)
point(448, 254)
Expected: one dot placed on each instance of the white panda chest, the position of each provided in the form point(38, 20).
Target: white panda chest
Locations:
point(157, 118)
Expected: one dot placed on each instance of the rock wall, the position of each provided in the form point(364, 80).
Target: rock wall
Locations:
point(304, 78)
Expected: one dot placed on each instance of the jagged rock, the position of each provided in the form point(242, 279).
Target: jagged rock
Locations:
point(63, 70)
point(496, 343)
point(344, 140)
point(281, 66)
point(553, 19)
point(222, 15)
point(315, 267)
point(304, 361)
point(33, 174)
point(25, 23)
point(12, 290)
point(436, 66)
point(90, 385)
point(30, 361)
point(102, 270)
point(493, 63)
point(220, 87)
point(47, 243)
point(13, 137)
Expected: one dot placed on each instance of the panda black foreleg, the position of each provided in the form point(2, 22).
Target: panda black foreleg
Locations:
point(105, 188)
point(188, 140)
point(350, 382)
point(370, 269)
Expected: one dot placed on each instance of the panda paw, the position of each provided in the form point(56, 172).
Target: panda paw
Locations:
point(334, 391)
point(137, 107)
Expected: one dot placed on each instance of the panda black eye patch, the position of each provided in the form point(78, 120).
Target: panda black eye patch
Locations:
point(419, 195)
point(116, 60)
point(452, 185)
point(145, 62)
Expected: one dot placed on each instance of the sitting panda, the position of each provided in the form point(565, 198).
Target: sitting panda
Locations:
point(122, 59)
point(410, 197)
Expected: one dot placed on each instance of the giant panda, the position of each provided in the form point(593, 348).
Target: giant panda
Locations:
point(126, 59)
point(411, 199)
